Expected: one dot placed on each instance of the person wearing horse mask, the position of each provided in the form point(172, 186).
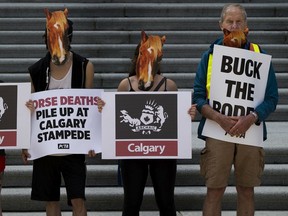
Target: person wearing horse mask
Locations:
point(145, 76)
point(61, 68)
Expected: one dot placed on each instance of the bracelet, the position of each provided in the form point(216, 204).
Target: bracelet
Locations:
point(255, 115)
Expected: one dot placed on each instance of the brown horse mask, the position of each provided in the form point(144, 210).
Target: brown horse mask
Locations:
point(150, 54)
point(57, 38)
point(235, 39)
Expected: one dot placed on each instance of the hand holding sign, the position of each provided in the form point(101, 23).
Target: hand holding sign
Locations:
point(243, 123)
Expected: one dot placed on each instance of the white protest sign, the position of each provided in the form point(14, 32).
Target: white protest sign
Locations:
point(65, 121)
point(238, 83)
point(146, 125)
point(15, 118)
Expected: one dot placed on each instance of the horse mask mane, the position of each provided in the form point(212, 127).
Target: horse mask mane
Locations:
point(147, 64)
point(235, 39)
point(57, 35)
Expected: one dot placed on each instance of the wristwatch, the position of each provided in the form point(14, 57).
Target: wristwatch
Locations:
point(255, 115)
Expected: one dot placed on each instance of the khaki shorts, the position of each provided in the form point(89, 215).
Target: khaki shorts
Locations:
point(217, 159)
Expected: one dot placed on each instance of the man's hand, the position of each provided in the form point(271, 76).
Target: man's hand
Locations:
point(242, 125)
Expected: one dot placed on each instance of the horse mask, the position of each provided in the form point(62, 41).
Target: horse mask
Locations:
point(235, 38)
point(147, 64)
point(57, 35)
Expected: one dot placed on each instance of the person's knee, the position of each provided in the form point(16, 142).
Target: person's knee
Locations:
point(78, 205)
point(53, 204)
point(247, 192)
point(215, 193)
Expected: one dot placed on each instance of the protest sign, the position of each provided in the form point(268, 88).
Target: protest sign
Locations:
point(238, 84)
point(146, 125)
point(65, 121)
point(14, 115)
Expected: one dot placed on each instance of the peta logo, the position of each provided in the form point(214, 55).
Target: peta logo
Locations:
point(3, 107)
point(151, 120)
point(63, 146)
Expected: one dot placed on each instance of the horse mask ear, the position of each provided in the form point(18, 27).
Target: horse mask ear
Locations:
point(226, 32)
point(144, 37)
point(163, 40)
point(47, 13)
point(66, 12)
point(246, 31)
point(160, 52)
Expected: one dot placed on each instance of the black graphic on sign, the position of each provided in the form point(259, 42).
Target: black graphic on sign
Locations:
point(8, 107)
point(146, 116)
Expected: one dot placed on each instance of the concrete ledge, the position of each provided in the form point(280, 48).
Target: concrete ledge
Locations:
point(152, 1)
point(132, 24)
point(108, 66)
point(275, 148)
point(126, 50)
point(148, 213)
point(186, 198)
point(133, 37)
point(131, 9)
point(108, 176)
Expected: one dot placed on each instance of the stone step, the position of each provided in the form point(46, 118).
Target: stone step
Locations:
point(111, 80)
point(132, 24)
point(133, 37)
point(148, 213)
point(108, 175)
point(280, 113)
point(126, 50)
point(122, 65)
point(164, 9)
point(109, 72)
point(101, 23)
point(275, 146)
point(150, 1)
point(283, 95)
point(267, 198)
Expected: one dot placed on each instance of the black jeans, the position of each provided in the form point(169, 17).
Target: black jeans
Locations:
point(134, 176)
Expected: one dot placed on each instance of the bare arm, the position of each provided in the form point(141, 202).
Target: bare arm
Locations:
point(123, 85)
point(171, 85)
point(89, 82)
point(29, 104)
point(225, 122)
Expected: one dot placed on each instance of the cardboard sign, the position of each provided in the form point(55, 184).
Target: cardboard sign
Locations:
point(146, 125)
point(15, 118)
point(238, 83)
point(65, 121)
